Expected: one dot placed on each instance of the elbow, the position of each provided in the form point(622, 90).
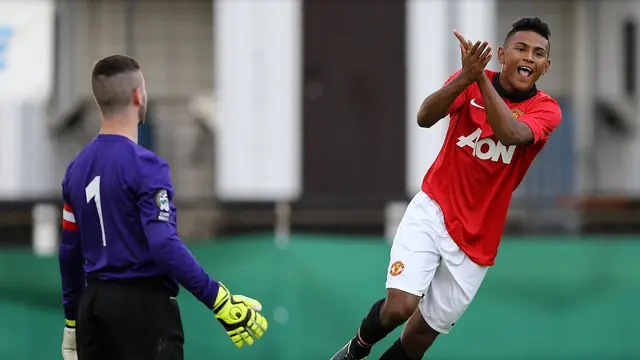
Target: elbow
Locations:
point(426, 121)
point(514, 133)
point(512, 138)
point(164, 257)
point(167, 253)
point(424, 124)
point(68, 255)
point(160, 252)
point(507, 140)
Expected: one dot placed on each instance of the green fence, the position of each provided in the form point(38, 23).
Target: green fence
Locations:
point(547, 298)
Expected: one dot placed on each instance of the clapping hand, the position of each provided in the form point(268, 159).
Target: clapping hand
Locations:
point(474, 57)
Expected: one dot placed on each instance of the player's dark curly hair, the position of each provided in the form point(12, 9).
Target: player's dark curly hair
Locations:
point(530, 24)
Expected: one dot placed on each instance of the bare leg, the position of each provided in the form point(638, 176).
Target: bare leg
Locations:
point(416, 338)
point(384, 317)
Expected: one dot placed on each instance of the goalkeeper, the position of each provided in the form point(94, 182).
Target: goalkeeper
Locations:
point(121, 260)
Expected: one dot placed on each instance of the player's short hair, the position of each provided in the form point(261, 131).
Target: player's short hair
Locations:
point(530, 24)
point(113, 80)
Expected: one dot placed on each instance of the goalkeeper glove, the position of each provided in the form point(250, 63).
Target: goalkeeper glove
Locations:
point(69, 351)
point(240, 317)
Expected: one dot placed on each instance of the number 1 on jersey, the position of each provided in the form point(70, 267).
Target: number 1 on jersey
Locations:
point(92, 192)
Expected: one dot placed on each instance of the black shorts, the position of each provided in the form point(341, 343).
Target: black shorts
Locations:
point(127, 320)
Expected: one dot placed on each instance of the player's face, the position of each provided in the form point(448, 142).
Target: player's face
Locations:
point(524, 59)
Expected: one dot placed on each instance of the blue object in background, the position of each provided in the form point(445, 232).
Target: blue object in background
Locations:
point(551, 174)
point(6, 33)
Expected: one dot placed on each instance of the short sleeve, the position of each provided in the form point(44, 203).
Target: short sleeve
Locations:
point(542, 118)
point(460, 100)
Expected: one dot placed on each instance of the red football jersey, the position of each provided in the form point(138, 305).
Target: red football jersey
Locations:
point(474, 175)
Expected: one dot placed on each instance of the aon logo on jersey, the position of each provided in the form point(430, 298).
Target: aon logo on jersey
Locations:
point(487, 149)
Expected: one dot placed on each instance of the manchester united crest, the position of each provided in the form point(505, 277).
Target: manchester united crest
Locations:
point(516, 112)
point(396, 268)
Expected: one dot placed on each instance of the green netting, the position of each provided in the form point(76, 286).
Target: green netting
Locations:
point(551, 298)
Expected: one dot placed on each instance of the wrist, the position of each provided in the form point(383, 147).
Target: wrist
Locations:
point(70, 323)
point(221, 297)
point(71, 311)
point(484, 79)
point(464, 79)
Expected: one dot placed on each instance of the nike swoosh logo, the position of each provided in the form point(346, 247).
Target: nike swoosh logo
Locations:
point(473, 103)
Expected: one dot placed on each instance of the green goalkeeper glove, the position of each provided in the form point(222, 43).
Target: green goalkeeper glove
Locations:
point(240, 317)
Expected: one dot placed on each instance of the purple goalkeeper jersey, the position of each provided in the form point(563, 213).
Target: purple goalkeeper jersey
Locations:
point(119, 222)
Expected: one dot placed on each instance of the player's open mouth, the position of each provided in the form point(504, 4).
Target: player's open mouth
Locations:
point(525, 71)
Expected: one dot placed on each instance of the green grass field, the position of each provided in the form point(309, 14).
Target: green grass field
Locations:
point(546, 298)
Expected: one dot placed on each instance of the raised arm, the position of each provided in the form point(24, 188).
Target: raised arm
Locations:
point(451, 97)
point(443, 101)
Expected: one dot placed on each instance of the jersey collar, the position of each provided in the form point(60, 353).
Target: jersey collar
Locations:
point(515, 97)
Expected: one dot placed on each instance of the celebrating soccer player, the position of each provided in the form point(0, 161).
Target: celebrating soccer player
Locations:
point(121, 260)
point(450, 232)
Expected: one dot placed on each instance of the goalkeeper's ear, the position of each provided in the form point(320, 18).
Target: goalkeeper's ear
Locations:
point(251, 303)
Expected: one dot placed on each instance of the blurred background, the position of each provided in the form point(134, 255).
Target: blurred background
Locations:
point(290, 129)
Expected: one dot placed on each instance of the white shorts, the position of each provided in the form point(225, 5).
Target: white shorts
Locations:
point(426, 262)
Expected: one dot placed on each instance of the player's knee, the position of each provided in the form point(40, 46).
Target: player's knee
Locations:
point(398, 307)
point(418, 336)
